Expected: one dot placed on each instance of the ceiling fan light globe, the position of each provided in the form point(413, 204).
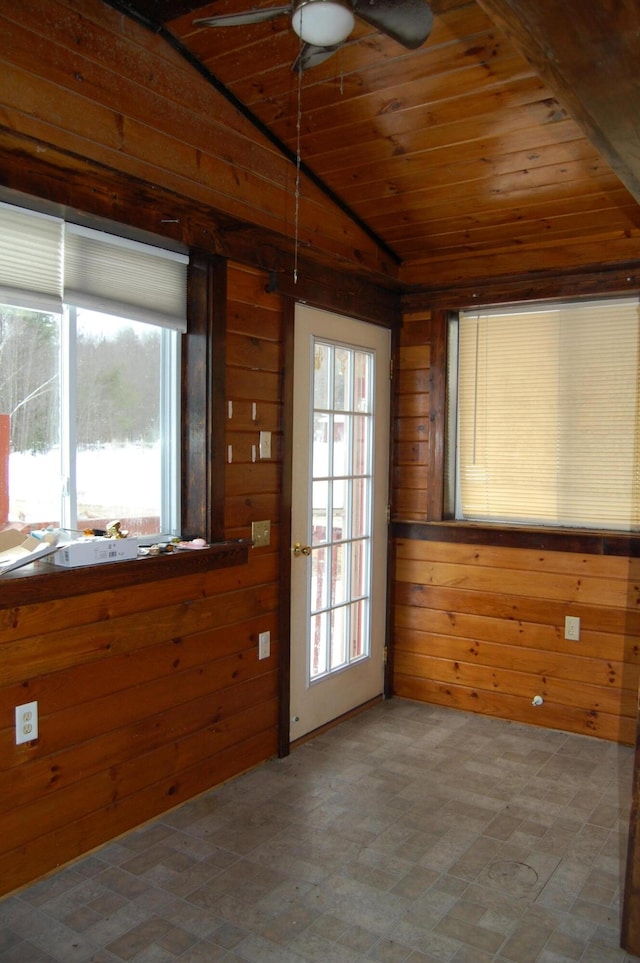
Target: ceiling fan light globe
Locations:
point(323, 23)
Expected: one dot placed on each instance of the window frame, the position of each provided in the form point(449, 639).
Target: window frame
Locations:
point(202, 396)
point(437, 526)
point(563, 329)
point(100, 268)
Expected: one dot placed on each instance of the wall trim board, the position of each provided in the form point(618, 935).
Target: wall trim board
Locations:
point(620, 278)
point(80, 184)
point(542, 539)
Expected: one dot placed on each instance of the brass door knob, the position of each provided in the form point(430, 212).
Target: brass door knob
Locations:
point(299, 549)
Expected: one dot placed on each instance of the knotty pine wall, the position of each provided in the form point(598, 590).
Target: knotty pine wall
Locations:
point(254, 376)
point(480, 627)
point(88, 82)
point(153, 693)
point(149, 694)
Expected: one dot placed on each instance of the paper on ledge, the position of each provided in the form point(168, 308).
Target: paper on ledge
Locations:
point(17, 549)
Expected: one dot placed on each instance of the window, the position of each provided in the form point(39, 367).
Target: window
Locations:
point(90, 328)
point(544, 416)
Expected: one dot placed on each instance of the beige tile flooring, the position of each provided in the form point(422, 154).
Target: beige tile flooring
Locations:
point(409, 834)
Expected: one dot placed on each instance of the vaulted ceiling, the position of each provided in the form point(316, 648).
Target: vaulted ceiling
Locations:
point(513, 131)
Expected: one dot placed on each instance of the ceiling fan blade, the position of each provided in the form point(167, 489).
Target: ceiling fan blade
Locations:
point(242, 19)
point(311, 56)
point(408, 22)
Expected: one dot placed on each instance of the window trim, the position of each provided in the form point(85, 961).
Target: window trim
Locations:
point(41, 582)
point(203, 390)
point(203, 366)
point(437, 527)
point(574, 540)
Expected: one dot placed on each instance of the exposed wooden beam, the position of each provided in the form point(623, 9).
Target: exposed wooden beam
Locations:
point(589, 55)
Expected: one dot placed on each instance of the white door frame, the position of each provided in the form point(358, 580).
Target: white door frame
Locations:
point(286, 533)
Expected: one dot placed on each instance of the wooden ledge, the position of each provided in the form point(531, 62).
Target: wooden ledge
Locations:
point(42, 582)
point(542, 539)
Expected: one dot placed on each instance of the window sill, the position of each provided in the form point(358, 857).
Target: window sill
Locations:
point(43, 582)
point(581, 541)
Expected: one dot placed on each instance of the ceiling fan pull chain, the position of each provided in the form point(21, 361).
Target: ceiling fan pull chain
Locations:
point(296, 215)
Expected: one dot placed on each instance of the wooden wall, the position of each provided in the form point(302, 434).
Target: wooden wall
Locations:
point(152, 693)
point(480, 625)
point(411, 430)
point(254, 377)
point(87, 81)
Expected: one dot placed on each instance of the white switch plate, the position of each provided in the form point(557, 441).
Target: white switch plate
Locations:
point(264, 645)
point(26, 722)
point(265, 444)
point(572, 628)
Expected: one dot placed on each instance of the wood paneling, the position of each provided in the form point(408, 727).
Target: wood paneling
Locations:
point(482, 629)
point(254, 387)
point(411, 420)
point(151, 692)
point(606, 36)
point(146, 697)
point(461, 156)
point(479, 611)
point(121, 97)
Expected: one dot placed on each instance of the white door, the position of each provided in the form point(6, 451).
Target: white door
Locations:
point(339, 516)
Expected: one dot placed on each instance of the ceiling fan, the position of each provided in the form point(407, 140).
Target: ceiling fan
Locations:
point(324, 25)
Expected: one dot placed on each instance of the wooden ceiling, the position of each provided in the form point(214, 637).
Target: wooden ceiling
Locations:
point(510, 135)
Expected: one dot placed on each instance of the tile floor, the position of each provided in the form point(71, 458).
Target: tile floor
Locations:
point(409, 834)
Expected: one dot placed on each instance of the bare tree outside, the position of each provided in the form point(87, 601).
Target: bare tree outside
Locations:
point(116, 386)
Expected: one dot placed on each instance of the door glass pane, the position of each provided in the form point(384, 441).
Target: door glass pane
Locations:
point(321, 427)
point(341, 385)
point(359, 569)
point(341, 445)
point(319, 645)
point(339, 504)
point(362, 400)
point(339, 574)
point(360, 512)
point(320, 509)
point(360, 444)
point(319, 581)
point(322, 376)
point(359, 629)
point(342, 461)
point(338, 637)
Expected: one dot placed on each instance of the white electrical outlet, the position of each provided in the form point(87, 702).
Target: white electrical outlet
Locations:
point(572, 628)
point(26, 722)
point(264, 645)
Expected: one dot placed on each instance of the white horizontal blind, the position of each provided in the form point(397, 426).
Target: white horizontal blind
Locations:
point(30, 259)
point(132, 280)
point(549, 415)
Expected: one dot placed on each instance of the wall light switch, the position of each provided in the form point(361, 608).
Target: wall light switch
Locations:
point(265, 444)
point(264, 645)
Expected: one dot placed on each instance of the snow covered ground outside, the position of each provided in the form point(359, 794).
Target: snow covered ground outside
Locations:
point(114, 481)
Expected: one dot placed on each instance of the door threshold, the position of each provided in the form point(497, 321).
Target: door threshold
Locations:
point(336, 722)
